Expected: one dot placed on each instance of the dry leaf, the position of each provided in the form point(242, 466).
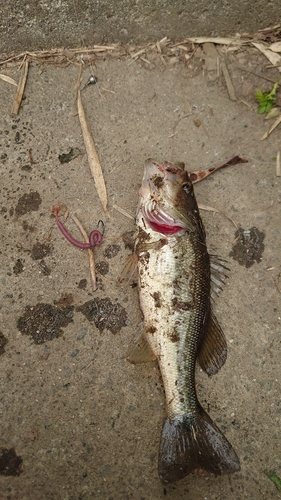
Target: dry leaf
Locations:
point(92, 154)
point(8, 79)
point(273, 113)
point(275, 47)
point(273, 57)
point(199, 175)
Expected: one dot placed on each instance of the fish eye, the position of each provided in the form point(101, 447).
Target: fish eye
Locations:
point(186, 187)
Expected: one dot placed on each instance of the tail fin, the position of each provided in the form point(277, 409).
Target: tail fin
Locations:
point(189, 443)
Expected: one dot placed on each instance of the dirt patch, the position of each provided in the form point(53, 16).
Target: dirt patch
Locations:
point(65, 300)
point(44, 322)
point(41, 250)
point(28, 202)
point(44, 268)
point(18, 267)
point(3, 342)
point(102, 267)
point(129, 240)
point(10, 463)
point(105, 314)
point(82, 285)
point(111, 251)
point(249, 247)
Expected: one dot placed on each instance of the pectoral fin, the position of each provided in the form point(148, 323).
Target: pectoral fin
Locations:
point(139, 351)
point(218, 274)
point(212, 352)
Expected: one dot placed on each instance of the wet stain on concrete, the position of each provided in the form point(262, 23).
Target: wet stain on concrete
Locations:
point(41, 250)
point(3, 342)
point(44, 322)
point(82, 285)
point(10, 463)
point(18, 267)
point(44, 268)
point(65, 300)
point(111, 251)
point(129, 240)
point(28, 202)
point(105, 314)
point(102, 267)
point(249, 246)
point(27, 227)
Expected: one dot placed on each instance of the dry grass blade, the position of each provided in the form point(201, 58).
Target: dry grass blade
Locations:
point(123, 212)
point(275, 124)
point(216, 211)
point(92, 154)
point(90, 252)
point(8, 79)
point(20, 90)
point(278, 166)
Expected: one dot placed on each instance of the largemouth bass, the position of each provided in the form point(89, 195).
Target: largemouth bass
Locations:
point(180, 328)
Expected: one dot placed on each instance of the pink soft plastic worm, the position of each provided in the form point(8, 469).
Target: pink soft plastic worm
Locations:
point(95, 237)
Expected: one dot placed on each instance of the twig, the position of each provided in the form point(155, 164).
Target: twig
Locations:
point(90, 252)
point(20, 90)
point(216, 211)
point(229, 84)
point(275, 124)
point(258, 74)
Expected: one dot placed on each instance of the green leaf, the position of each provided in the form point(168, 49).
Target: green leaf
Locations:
point(261, 110)
point(274, 478)
point(266, 99)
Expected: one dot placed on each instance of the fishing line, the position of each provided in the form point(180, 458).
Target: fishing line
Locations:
point(92, 79)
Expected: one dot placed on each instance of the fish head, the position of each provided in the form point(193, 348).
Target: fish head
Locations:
point(166, 198)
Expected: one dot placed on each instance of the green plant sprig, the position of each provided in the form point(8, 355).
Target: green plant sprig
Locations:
point(266, 100)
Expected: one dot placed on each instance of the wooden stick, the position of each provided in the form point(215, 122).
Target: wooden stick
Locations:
point(90, 252)
point(228, 81)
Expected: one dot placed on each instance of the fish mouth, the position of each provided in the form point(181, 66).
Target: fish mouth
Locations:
point(153, 212)
point(160, 221)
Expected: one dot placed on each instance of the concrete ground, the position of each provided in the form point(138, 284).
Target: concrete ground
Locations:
point(77, 420)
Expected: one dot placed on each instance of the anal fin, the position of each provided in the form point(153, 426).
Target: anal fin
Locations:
point(212, 352)
point(139, 351)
